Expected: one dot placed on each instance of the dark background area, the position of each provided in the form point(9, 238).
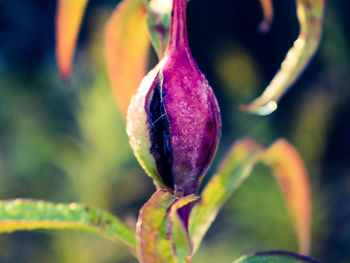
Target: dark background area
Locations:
point(65, 141)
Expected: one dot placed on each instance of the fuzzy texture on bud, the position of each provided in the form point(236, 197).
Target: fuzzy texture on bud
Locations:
point(173, 121)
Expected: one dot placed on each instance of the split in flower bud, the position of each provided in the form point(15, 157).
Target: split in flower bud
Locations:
point(174, 120)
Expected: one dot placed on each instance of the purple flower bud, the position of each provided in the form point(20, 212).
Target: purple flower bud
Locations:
point(174, 120)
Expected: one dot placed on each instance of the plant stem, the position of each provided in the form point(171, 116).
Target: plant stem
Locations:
point(178, 29)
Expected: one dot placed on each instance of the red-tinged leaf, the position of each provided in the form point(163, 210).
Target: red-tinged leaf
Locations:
point(310, 16)
point(267, 7)
point(288, 170)
point(68, 20)
point(291, 175)
point(127, 44)
point(275, 256)
point(153, 245)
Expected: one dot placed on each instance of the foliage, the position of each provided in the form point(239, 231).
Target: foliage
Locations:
point(161, 236)
point(21, 214)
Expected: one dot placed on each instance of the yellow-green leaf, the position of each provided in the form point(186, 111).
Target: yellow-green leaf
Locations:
point(68, 20)
point(234, 169)
point(23, 214)
point(160, 232)
point(310, 16)
point(127, 44)
point(153, 245)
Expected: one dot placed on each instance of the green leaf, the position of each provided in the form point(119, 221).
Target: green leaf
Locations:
point(153, 244)
point(232, 172)
point(178, 235)
point(287, 168)
point(24, 214)
point(159, 16)
point(275, 257)
point(310, 16)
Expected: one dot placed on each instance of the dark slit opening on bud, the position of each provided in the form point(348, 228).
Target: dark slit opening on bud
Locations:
point(159, 129)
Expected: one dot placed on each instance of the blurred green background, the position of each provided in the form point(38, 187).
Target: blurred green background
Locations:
point(66, 141)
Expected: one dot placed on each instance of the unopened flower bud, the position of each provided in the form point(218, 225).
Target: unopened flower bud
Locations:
point(174, 120)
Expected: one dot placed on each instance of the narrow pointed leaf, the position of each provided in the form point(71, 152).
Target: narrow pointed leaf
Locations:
point(289, 171)
point(126, 45)
point(182, 246)
point(310, 16)
point(68, 20)
point(267, 7)
point(23, 214)
point(291, 175)
point(232, 172)
point(159, 24)
point(153, 245)
point(275, 257)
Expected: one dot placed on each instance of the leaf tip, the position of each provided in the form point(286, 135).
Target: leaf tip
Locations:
point(260, 108)
point(267, 9)
point(69, 16)
point(65, 72)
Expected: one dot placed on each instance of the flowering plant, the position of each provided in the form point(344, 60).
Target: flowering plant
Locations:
point(174, 126)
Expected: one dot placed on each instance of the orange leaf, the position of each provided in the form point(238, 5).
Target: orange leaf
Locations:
point(68, 21)
point(291, 175)
point(127, 45)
